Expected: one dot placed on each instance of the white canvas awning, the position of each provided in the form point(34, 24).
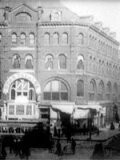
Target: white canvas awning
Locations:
point(89, 106)
point(66, 108)
point(81, 114)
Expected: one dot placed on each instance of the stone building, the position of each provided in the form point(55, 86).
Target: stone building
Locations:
point(50, 56)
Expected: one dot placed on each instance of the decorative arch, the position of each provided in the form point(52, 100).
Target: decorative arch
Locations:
point(17, 76)
point(56, 90)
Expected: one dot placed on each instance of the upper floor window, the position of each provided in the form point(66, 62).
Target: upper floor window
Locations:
point(81, 38)
point(29, 62)
point(108, 90)
point(65, 38)
point(55, 38)
point(49, 62)
point(16, 61)
point(23, 38)
point(0, 37)
point(80, 88)
point(62, 61)
point(56, 90)
point(46, 38)
point(80, 62)
point(32, 38)
point(0, 90)
point(14, 38)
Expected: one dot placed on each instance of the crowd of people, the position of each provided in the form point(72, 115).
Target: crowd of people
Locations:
point(17, 146)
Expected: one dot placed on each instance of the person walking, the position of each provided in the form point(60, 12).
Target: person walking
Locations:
point(58, 148)
point(73, 145)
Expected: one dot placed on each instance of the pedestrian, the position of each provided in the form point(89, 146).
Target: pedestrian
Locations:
point(58, 148)
point(98, 152)
point(73, 145)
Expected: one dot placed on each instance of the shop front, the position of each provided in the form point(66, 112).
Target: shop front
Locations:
point(21, 91)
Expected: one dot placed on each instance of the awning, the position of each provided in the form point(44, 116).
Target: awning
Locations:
point(81, 114)
point(89, 106)
point(66, 108)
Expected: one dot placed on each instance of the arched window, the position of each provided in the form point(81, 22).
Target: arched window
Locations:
point(108, 90)
point(62, 61)
point(23, 38)
point(80, 88)
point(92, 91)
point(47, 38)
point(80, 38)
point(49, 62)
point(16, 61)
point(65, 38)
point(115, 88)
point(14, 38)
point(32, 38)
point(29, 62)
point(101, 90)
point(56, 90)
point(24, 88)
point(55, 38)
point(80, 62)
point(0, 37)
point(0, 90)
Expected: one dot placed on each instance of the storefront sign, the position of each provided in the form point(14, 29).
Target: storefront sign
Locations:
point(27, 76)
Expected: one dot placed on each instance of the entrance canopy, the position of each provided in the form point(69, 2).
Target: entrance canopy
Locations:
point(26, 76)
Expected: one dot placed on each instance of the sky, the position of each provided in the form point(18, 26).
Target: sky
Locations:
point(105, 11)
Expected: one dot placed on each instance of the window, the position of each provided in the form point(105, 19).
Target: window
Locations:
point(46, 38)
point(49, 62)
point(62, 61)
point(22, 87)
point(92, 90)
point(0, 37)
point(80, 62)
point(32, 38)
point(29, 62)
point(0, 90)
point(108, 90)
point(80, 38)
point(101, 90)
point(115, 88)
point(65, 38)
point(23, 38)
point(80, 88)
point(55, 39)
point(14, 38)
point(16, 61)
point(56, 91)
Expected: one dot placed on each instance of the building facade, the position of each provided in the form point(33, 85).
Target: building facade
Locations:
point(49, 55)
